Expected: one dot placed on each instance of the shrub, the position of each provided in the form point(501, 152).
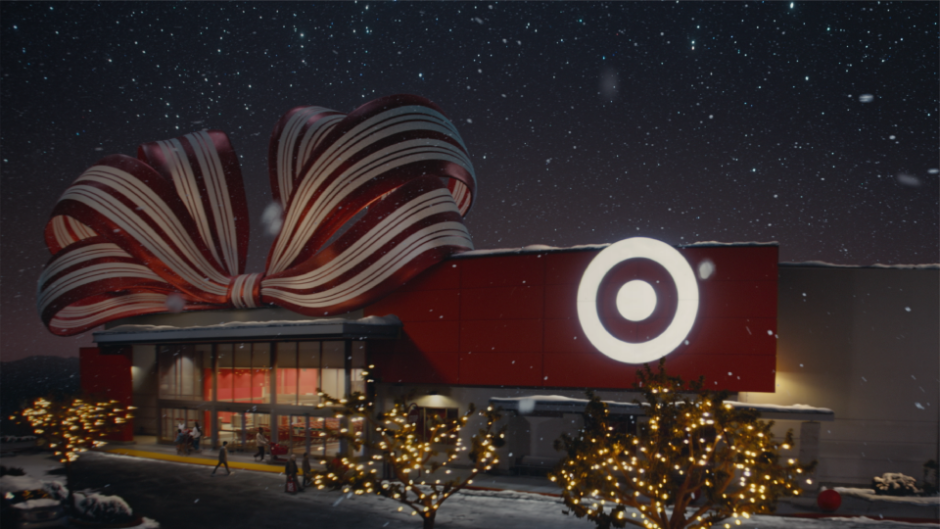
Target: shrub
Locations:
point(694, 446)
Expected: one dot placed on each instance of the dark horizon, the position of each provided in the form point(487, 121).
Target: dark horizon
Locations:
point(811, 124)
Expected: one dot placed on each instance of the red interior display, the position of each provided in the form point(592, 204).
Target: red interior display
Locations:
point(511, 320)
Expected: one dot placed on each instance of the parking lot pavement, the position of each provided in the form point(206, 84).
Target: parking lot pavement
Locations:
point(183, 495)
point(180, 495)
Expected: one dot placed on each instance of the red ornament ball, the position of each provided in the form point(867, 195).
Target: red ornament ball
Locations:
point(829, 500)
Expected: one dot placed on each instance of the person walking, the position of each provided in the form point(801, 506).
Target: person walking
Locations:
point(196, 435)
point(180, 442)
point(262, 442)
point(305, 467)
point(290, 469)
point(223, 458)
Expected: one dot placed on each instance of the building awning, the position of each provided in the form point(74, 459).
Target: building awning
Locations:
point(368, 328)
point(555, 405)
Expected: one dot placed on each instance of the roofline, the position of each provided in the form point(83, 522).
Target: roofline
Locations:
point(281, 330)
point(556, 408)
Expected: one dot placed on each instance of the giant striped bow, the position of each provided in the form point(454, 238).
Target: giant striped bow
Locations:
point(130, 233)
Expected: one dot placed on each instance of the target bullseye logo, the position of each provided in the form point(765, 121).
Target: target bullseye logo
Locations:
point(637, 299)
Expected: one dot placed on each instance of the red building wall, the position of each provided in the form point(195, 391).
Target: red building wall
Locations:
point(106, 377)
point(511, 320)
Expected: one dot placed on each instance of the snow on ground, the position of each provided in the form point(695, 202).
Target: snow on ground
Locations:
point(471, 509)
point(37, 467)
point(192, 490)
point(869, 494)
point(871, 522)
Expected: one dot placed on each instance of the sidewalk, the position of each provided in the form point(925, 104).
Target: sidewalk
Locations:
point(802, 507)
point(147, 447)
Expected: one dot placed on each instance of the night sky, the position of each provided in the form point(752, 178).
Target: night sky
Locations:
point(811, 124)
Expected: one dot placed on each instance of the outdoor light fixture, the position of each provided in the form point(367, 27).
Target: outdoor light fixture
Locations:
point(637, 299)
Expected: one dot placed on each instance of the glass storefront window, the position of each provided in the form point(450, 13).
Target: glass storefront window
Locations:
point(244, 372)
point(358, 367)
point(181, 369)
point(241, 373)
point(308, 374)
point(172, 419)
point(298, 370)
point(333, 374)
point(241, 428)
point(252, 373)
point(225, 360)
point(287, 373)
point(204, 350)
point(260, 373)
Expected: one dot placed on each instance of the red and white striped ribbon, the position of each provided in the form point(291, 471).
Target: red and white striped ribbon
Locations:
point(129, 233)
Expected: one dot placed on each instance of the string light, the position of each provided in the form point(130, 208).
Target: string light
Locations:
point(693, 445)
point(74, 427)
point(399, 444)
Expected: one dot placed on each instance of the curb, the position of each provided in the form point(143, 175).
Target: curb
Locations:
point(258, 467)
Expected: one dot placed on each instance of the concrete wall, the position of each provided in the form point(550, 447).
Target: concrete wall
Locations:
point(863, 342)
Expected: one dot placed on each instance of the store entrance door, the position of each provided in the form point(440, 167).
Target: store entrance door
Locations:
point(303, 433)
point(240, 429)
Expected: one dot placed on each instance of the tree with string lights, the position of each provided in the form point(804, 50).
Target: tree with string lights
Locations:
point(68, 428)
point(412, 455)
point(696, 462)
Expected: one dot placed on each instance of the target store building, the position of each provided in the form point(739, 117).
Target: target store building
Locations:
point(842, 355)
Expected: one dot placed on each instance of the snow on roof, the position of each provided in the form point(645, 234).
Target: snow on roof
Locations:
point(363, 328)
point(802, 408)
point(824, 264)
point(543, 248)
point(390, 319)
point(559, 403)
point(532, 248)
point(706, 244)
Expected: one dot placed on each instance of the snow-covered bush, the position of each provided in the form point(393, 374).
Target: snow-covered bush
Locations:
point(102, 509)
point(56, 490)
point(895, 484)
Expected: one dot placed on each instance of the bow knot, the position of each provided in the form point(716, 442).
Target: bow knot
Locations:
point(369, 200)
point(244, 291)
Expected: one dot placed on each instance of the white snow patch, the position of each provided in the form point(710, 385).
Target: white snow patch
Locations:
point(824, 264)
point(36, 504)
point(863, 520)
point(528, 404)
point(542, 248)
point(869, 494)
point(18, 483)
point(532, 248)
point(705, 244)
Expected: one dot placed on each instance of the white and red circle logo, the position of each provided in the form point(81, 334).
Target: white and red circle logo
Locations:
point(636, 304)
